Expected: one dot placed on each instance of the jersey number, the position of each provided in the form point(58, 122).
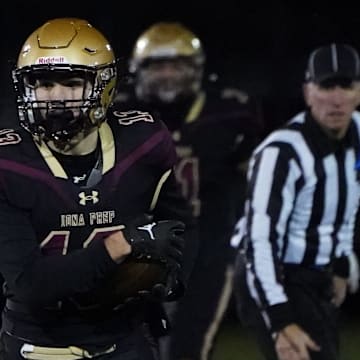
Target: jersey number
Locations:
point(187, 174)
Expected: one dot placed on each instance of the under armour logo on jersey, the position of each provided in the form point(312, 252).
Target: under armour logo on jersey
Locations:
point(94, 197)
point(133, 116)
point(148, 228)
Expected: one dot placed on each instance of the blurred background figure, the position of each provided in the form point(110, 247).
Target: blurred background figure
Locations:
point(214, 129)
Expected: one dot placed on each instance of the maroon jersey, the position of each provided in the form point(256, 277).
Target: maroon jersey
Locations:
point(214, 135)
point(52, 216)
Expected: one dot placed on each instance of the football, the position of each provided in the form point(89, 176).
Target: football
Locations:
point(129, 278)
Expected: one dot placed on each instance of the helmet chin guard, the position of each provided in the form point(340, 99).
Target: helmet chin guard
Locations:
point(61, 126)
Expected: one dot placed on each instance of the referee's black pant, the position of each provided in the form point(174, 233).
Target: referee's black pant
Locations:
point(309, 292)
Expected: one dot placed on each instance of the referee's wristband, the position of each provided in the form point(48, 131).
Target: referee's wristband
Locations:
point(280, 316)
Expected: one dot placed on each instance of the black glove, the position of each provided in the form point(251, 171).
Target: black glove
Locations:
point(171, 291)
point(159, 241)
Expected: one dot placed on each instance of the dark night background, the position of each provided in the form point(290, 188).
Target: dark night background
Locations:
point(260, 47)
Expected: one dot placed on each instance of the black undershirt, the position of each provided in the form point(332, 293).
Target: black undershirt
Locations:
point(78, 167)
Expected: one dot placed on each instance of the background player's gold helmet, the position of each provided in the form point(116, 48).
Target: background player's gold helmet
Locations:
point(61, 47)
point(167, 42)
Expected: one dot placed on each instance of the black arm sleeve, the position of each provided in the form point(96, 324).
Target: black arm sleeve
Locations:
point(36, 279)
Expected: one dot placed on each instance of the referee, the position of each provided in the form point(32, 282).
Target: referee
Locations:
point(292, 271)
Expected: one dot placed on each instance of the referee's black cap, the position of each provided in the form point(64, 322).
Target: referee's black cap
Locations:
point(333, 62)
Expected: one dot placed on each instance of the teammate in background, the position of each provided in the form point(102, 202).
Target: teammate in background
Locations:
point(298, 229)
point(76, 180)
point(214, 131)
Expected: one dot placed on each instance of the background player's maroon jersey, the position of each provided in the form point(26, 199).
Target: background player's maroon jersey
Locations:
point(214, 134)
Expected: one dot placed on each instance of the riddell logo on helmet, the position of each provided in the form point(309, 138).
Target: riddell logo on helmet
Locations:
point(51, 60)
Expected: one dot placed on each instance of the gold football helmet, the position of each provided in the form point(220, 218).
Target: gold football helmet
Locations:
point(64, 47)
point(167, 43)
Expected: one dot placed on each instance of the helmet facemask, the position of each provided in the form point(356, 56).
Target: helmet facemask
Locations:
point(168, 80)
point(60, 120)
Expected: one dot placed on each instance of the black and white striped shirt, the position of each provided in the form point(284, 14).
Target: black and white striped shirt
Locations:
point(301, 202)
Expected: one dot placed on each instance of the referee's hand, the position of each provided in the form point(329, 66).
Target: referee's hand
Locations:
point(293, 343)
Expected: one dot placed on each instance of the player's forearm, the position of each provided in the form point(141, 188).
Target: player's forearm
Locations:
point(117, 247)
